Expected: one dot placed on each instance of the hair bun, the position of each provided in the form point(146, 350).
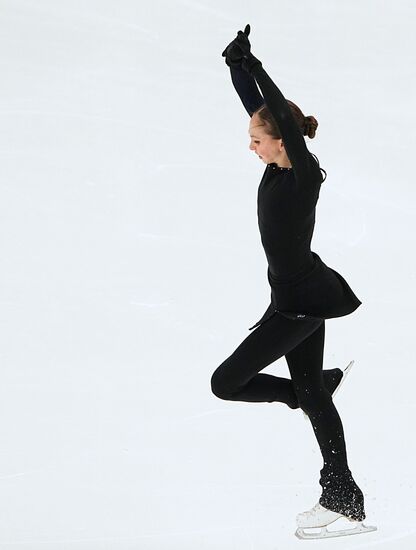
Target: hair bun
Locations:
point(310, 125)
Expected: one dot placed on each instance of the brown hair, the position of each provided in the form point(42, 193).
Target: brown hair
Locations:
point(307, 125)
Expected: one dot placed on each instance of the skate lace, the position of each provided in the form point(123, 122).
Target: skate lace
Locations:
point(313, 510)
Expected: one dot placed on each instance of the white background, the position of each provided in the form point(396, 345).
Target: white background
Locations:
point(131, 267)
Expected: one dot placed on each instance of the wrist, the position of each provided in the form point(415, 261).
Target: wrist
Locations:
point(250, 62)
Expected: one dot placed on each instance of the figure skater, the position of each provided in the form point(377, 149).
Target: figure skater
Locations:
point(304, 290)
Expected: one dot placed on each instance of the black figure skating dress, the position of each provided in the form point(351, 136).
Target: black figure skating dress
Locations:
point(301, 283)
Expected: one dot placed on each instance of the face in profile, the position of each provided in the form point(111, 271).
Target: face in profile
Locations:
point(265, 146)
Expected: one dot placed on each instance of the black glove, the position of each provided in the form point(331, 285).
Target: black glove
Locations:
point(238, 53)
point(233, 54)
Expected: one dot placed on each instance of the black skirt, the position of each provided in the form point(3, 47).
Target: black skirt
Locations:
point(321, 293)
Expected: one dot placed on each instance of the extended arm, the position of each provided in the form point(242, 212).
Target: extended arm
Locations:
point(293, 139)
point(246, 88)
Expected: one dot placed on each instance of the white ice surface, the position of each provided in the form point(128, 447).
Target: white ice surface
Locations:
point(131, 267)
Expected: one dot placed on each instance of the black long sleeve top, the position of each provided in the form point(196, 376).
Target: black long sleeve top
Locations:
point(302, 285)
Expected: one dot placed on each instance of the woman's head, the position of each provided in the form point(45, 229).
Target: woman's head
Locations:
point(266, 139)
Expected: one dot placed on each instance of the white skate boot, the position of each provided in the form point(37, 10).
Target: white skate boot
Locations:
point(320, 517)
point(344, 376)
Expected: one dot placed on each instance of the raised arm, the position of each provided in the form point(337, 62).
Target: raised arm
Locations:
point(239, 53)
point(246, 87)
point(293, 139)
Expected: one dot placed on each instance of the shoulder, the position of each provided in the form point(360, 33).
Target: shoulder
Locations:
point(315, 167)
point(310, 178)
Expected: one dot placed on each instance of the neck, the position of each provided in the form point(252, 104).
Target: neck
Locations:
point(283, 162)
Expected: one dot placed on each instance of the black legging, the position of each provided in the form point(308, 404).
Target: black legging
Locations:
point(301, 341)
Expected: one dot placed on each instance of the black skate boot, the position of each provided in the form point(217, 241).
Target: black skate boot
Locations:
point(341, 494)
point(333, 379)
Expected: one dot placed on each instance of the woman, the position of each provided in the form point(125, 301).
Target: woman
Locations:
point(304, 290)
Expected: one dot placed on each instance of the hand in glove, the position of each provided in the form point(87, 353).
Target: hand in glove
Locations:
point(238, 53)
point(233, 55)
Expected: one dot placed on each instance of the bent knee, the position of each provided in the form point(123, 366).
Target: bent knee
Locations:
point(219, 386)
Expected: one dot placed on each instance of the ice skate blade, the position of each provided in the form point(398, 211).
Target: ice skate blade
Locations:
point(344, 376)
point(324, 533)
